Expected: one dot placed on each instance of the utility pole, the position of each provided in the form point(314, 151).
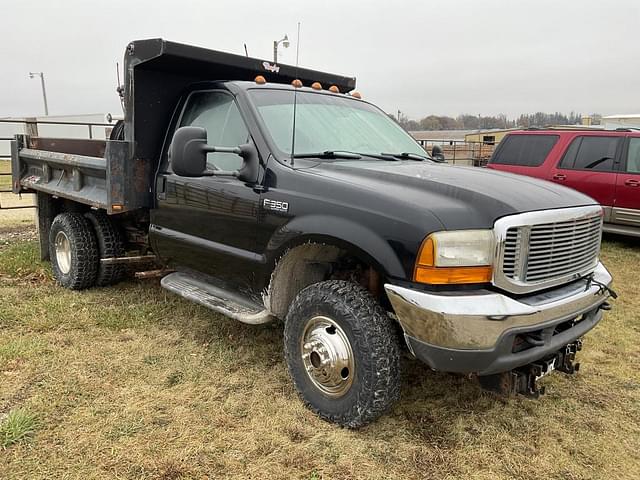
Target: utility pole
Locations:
point(44, 91)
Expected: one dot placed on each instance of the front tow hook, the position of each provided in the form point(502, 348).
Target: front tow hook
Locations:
point(606, 306)
point(524, 380)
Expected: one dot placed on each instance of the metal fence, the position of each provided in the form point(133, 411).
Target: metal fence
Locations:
point(32, 127)
point(460, 152)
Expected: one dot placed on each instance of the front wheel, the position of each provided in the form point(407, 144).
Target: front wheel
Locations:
point(343, 353)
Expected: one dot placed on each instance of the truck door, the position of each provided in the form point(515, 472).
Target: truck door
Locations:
point(626, 210)
point(208, 223)
point(589, 166)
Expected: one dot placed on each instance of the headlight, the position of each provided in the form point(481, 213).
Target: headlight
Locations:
point(463, 256)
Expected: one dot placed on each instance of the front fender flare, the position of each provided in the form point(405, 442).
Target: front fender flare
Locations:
point(352, 236)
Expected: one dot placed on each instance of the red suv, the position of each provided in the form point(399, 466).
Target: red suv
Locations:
point(602, 164)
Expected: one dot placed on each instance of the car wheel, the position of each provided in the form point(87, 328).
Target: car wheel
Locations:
point(110, 245)
point(73, 251)
point(343, 353)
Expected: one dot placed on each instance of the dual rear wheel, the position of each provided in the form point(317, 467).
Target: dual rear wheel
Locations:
point(77, 242)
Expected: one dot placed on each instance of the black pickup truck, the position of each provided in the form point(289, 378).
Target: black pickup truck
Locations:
point(274, 192)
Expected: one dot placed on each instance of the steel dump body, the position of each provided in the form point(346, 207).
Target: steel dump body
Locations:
point(118, 175)
point(69, 168)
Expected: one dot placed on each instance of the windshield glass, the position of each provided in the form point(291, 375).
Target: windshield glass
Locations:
point(330, 123)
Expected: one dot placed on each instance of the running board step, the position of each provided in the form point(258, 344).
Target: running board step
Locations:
point(216, 298)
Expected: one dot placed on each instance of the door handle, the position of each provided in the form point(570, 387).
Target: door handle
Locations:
point(632, 183)
point(162, 190)
point(559, 176)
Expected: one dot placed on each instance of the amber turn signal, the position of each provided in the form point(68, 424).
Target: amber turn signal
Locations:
point(452, 275)
point(426, 270)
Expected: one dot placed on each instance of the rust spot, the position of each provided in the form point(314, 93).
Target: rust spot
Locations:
point(75, 146)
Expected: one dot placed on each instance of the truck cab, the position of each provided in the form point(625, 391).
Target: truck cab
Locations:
point(271, 193)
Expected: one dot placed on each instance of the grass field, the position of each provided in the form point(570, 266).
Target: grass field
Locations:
point(131, 382)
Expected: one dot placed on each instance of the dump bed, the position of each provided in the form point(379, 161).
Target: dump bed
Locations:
point(102, 174)
point(118, 175)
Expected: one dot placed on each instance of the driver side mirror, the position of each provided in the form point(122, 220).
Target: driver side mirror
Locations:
point(187, 152)
point(437, 154)
point(188, 156)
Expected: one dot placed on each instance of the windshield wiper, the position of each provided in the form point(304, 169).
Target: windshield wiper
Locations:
point(346, 154)
point(329, 154)
point(379, 156)
point(407, 156)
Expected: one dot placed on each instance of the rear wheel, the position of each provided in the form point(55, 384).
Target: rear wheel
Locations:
point(110, 245)
point(73, 251)
point(343, 353)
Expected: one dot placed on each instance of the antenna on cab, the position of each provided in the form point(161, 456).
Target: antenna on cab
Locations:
point(295, 84)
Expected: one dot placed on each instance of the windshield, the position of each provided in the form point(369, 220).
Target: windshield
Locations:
point(330, 123)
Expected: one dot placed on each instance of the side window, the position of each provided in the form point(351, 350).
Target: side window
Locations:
point(524, 150)
point(218, 113)
point(633, 157)
point(591, 153)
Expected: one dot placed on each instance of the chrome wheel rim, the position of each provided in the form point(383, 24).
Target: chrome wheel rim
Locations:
point(63, 252)
point(327, 356)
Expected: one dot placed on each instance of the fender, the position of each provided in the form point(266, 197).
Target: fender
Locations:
point(363, 242)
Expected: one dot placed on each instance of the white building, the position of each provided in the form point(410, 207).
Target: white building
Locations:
point(611, 122)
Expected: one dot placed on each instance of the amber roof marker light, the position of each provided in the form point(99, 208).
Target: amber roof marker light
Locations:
point(316, 86)
point(334, 89)
point(296, 83)
point(356, 95)
point(260, 80)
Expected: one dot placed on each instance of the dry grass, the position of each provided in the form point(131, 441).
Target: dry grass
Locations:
point(5, 167)
point(17, 220)
point(133, 382)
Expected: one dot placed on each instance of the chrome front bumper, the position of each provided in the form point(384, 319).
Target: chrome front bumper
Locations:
point(465, 323)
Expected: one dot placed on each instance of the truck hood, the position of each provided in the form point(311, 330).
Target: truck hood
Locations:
point(460, 197)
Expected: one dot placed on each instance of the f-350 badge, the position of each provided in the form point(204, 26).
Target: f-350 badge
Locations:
point(275, 205)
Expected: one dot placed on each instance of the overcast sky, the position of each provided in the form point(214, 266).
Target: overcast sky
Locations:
point(422, 57)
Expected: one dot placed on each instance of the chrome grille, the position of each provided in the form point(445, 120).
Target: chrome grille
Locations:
point(512, 251)
point(541, 253)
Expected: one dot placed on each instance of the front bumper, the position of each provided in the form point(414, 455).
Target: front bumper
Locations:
point(476, 332)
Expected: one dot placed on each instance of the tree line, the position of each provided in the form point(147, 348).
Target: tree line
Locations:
point(475, 122)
